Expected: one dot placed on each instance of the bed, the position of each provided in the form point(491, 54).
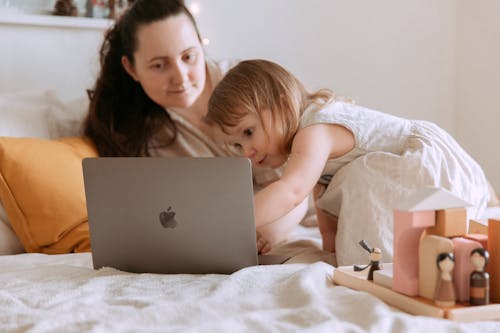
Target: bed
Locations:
point(44, 292)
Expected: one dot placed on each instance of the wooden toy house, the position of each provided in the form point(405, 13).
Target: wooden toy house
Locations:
point(429, 208)
point(428, 222)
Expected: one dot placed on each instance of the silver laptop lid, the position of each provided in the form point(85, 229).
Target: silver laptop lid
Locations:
point(171, 215)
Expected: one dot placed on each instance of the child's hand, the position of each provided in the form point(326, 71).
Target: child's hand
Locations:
point(263, 246)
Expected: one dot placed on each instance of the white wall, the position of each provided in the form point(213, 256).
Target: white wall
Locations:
point(31, 6)
point(392, 55)
point(425, 59)
point(478, 83)
point(43, 55)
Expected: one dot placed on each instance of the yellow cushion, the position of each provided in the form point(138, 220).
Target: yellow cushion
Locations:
point(41, 188)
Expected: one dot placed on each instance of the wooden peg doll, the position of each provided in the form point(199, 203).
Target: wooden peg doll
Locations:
point(479, 278)
point(445, 290)
point(375, 256)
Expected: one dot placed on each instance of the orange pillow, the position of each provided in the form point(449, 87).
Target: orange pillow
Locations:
point(41, 188)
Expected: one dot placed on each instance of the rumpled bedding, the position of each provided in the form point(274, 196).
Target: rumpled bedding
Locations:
point(62, 293)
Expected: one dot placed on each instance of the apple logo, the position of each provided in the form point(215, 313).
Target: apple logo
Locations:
point(167, 219)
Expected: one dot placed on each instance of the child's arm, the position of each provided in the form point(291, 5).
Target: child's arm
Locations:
point(311, 148)
point(279, 230)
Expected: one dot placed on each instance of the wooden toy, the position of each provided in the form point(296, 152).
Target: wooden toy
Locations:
point(411, 217)
point(375, 256)
point(383, 276)
point(408, 227)
point(445, 289)
point(462, 248)
point(450, 222)
point(479, 279)
point(494, 262)
point(346, 276)
point(480, 238)
point(430, 247)
point(478, 227)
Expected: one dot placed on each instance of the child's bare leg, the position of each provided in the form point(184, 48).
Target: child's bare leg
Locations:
point(328, 228)
point(327, 223)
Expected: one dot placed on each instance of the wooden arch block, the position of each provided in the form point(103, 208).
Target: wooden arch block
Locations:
point(463, 266)
point(430, 247)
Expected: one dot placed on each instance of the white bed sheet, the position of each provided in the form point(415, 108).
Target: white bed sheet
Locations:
point(62, 293)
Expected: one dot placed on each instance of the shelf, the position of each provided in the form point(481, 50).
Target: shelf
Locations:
point(16, 18)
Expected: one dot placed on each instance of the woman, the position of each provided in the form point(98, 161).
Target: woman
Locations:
point(152, 94)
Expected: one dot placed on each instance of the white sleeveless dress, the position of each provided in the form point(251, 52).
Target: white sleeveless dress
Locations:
point(392, 157)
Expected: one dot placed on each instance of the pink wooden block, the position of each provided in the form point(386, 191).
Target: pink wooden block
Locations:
point(483, 239)
point(408, 227)
point(463, 266)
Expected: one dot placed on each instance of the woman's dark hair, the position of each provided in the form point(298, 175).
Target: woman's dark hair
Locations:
point(122, 120)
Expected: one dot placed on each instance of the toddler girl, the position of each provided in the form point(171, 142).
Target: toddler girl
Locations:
point(363, 160)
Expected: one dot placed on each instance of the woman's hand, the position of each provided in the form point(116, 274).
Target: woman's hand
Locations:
point(263, 246)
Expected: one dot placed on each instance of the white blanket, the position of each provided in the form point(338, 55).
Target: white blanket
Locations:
point(62, 293)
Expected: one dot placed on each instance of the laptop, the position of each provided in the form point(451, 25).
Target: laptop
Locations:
point(172, 215)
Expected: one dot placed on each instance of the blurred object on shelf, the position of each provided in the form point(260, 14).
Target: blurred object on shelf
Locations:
point(111, 9)
point(65, 8)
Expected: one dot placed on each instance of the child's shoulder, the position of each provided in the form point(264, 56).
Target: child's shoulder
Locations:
point(349, 114)
point(333, 112)
point(340, 107)
point(351, 109)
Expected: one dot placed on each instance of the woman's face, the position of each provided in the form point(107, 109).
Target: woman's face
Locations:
point(169, 62)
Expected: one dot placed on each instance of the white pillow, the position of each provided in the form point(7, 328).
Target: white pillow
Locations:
point(9, 243)
point(41, 114)
point(66, 118)
point(25, 114)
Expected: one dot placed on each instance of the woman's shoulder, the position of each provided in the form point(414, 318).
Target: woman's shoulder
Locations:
point(219, 68)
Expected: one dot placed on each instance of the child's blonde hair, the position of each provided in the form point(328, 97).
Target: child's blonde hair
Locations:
point(256, 85)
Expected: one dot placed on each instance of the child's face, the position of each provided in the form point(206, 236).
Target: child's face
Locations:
point(251, 140)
